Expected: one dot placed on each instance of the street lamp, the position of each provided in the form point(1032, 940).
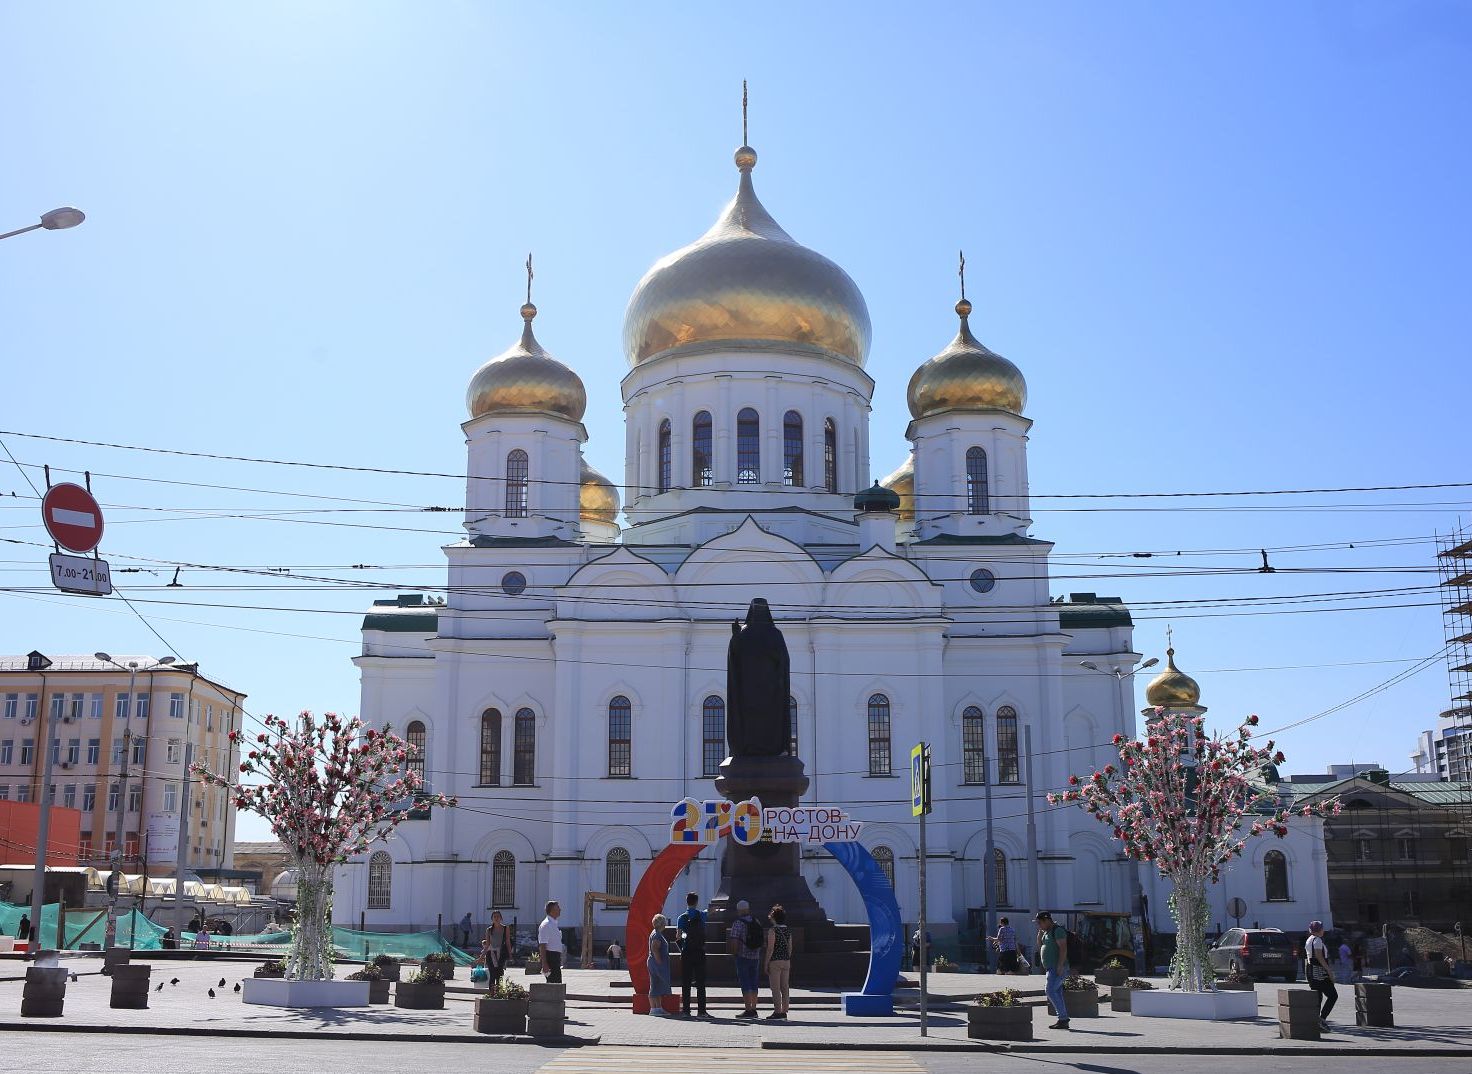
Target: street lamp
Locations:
point(1119, 672)
point(55, 220)
point(115, 879)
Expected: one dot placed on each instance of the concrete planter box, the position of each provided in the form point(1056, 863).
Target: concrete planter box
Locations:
point(44, 992)
point(429, 996)
point(1083, 1004)
point(1203, 1006)
point(389, 972)
point(1121, 999)
point(1236, 986)
point(501, 1016)
point(999, 1023)
point(263, 974)
point(279, 992)
point(1373, 1005)
point(1298, 1014)
point(446, 970)
point(377, 991)
point(1110, 978)
point(130, 987)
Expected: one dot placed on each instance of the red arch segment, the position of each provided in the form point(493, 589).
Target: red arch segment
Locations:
point(649, 898)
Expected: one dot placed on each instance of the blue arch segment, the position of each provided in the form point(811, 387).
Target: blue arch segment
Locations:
point(886, 931)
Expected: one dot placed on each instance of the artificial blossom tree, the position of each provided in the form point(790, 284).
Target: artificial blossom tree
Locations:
point(329, 789)
point(1187, 802)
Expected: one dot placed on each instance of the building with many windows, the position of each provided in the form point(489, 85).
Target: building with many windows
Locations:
point(571, 688)
point(119, 731)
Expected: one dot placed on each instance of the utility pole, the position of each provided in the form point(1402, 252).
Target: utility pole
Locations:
point(1032, 833)
point(115, 881)
point(920, 806)
point(181, 857)
point(43, 827)
point(988, 867)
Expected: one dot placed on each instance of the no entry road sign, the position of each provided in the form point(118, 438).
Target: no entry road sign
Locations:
point(72, 517)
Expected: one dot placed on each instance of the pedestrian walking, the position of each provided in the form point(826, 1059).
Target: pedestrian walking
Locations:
point(495, 950)
point(168, 941)
point(778, 959)
point(549, 943)
point(1053, 950)
point(615, 956)
point(1346, 962)
point(658, 965)
point(23, 929)
point(690, 927)
point(1005, 943)
point(746, 943)
point(466, 927)
point(1320, 972)
point(202, 938)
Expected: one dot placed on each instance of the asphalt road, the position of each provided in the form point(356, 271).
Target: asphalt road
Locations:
point(34, 1052)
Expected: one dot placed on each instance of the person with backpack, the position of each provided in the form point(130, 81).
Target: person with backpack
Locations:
point(1053, 950)
point(746, 940)
point(778, 960)
point(690, 927)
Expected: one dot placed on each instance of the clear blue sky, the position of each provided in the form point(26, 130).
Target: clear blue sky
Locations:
point(1226, 244)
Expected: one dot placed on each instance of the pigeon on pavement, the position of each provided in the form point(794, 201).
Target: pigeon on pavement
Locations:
point(212, 993)
point(74, 977)
point(237, 986)
point(160, 987)
point(174, 981)
point(221, 984)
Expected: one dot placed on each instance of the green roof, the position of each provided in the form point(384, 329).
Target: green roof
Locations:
point(408, 613)
point(1085, 611)
point(980, 538)
point(484, 541)
point(1433, 792)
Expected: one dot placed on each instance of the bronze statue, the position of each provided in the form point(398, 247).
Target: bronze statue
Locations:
point(758, 683)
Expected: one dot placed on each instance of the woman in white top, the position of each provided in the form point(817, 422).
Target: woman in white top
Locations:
point(1319, 969)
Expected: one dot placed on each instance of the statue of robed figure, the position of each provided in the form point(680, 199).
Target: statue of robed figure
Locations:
point(758, 684)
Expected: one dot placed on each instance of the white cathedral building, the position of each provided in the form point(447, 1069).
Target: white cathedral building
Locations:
point(570, 689)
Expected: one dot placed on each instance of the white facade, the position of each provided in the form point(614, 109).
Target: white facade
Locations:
point(550, 631)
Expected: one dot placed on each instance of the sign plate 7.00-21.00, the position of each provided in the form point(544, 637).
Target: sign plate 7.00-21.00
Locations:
point(81, 574)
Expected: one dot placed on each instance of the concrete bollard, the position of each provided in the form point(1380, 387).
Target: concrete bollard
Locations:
point(44, 992)
point(546, 1010)
point(1298, 1014)
point(1373, 1005)
point(130, 987)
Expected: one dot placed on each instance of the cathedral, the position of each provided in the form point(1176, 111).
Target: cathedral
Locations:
point(570, 688)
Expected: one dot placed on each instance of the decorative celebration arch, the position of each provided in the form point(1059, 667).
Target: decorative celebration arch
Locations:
point(886, 936)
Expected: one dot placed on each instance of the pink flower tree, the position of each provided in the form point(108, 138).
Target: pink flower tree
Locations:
point(1187, 802)
point(329, 789)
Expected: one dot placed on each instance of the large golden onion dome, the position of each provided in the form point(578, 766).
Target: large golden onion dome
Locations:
point(597, 498)
point(746, 283)
point(966, 376)
point(902, 484)
point(1173, 688)
point(526, 378)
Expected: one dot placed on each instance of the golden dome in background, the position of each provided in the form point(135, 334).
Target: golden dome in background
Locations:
point(744, 283)
point(597, 498)
point(966, 376)
point(1172, 688)
point(902, 484)
point(526, 377)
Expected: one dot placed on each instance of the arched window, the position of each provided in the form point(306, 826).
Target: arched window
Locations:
point(973, 745)
point(620, 738)
point(999, 878)
point(879, 760)
point(1275, 874)
point(665, 458)
point(792, 448)
point(1007, 768)
point(524, 757)
point(830, 456)
point(414, 737)
point(503, 880)
point(712, 735)
point(616, 873)
point(490, 748)
point(792, 723)
point(976, 498)
point(380, 880)
point(700, 450)
point(884, 858)
point(748, 447)
point(516, 484)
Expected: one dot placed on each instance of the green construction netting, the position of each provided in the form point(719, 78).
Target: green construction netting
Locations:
point(84, 926)
point(90, 926)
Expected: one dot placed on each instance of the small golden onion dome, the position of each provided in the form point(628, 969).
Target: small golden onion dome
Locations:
point(746, 283)
point(526, 378)
point(902, 484)
point(966, 376)
point(597, 498)
point(1172, 688)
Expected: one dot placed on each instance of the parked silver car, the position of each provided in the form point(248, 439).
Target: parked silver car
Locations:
point(1259, 953)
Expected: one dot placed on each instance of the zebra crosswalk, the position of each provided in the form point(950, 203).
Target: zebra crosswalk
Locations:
point(609, 1059)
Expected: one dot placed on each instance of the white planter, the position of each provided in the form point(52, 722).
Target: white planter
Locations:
point(1204, 1006)
point(275, 992)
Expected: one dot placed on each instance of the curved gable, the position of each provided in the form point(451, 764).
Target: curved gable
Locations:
point(880, 583)
point(618, 586)
point(750, 562)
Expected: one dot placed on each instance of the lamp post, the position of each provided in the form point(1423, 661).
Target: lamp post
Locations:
point(180, 856)
point(43, 824)
point(55, 220)
point(1139, 905)
point(115, 880)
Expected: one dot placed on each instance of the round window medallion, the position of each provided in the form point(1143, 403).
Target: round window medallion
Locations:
point(513, 583)
point(983, 580)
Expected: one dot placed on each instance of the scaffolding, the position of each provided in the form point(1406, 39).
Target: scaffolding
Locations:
point(1454, 564)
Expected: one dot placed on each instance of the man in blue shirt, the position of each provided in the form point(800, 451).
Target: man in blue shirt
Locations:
point(690, 927)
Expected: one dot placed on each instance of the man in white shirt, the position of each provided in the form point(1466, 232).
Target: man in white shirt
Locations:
point(549, 943)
